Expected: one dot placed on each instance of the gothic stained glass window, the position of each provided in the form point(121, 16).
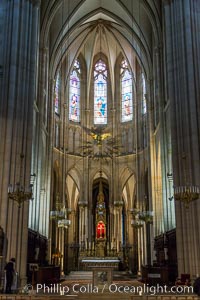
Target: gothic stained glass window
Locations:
point(144, 101)
point(100, 93)
point(126, 93)
point(57, 94)
point(74, 93)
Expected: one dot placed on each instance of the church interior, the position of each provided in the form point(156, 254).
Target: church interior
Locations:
point(100, 139)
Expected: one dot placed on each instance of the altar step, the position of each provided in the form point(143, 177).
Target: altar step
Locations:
point(87, 275)
point(79, 275)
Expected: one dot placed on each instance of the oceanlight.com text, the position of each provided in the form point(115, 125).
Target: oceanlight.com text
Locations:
point(113, 288)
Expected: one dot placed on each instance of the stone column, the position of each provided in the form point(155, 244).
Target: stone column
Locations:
point(40, 149)
point(139, 252)
point(82, 222)
point(16, 110)
point(182, 27)
point(70, 241)
point(116, 237)
point(150, 153)
point(62, 241)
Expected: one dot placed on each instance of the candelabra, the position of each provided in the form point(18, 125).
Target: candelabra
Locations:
point(137, 224)
point(186, 194)
point(18, 192)
point(64, 223)
point(141, 217)
point(57, 215)
point(60, 214)
point(146, 216)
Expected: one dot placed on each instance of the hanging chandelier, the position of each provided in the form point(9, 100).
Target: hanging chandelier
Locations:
point(101, 145)
point(60, 214)
point(57, 215)
point(18, 192)
point(146, 216)
point(141, 217)
point(137, 224)
point(186, 194)
point(64, 223)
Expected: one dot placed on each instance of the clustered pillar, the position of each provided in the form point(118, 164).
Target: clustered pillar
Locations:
point(18, 87)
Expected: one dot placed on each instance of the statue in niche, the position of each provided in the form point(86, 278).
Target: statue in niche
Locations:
point(100, 223)
point(100, 214)
point(100, 234)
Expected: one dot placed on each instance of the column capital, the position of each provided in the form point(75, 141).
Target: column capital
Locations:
point(82, 204)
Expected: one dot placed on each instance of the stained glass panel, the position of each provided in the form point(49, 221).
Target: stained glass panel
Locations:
point(126, 93)
point(74, 94)
point(100, 93)
point(57, 94)
point(144, 101)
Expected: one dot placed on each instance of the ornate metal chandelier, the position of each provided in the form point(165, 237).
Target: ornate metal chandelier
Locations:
point(60, 214)
point(101, 145)
point(186, 194)
point(18, 193)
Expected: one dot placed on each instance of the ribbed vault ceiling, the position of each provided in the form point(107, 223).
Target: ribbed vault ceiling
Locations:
point(88, 26)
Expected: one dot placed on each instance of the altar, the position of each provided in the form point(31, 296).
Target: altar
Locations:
point(102, 268)
point(100, 255)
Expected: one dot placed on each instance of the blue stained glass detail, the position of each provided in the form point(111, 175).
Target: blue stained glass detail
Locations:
point(57, 94)
point(126, 93)
point(74, 94)
point(101, 106)
point(100, 93)
point(144, 101)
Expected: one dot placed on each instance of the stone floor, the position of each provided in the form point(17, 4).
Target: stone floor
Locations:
point(98, 297)
point(78, 285)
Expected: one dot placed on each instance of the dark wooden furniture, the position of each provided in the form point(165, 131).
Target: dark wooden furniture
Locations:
point(164, 269)
point(48, 275)
point(155, 275)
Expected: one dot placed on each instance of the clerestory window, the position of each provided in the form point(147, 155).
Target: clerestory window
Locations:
point(100, 93)
point(126, 83)
point(74, 93)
